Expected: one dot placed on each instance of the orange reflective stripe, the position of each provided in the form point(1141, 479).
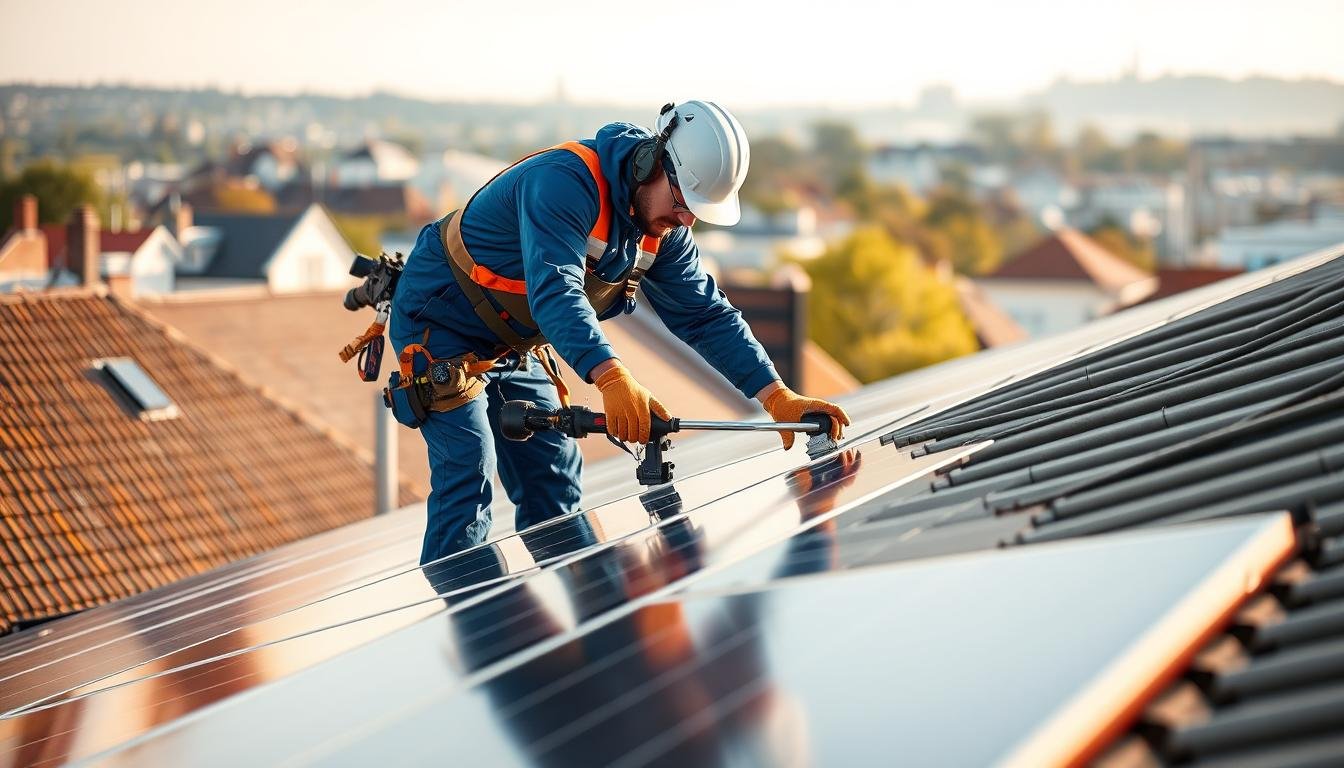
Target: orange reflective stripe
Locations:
point(487, 279)
point(589, 157)
point(649, 244)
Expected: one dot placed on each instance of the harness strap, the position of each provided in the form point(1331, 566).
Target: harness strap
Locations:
point(462, 264)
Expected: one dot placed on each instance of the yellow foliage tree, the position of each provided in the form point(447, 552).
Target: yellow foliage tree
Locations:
point(880, 311)
point(241, 198)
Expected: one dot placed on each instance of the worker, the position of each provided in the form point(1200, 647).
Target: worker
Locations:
point(550, 246)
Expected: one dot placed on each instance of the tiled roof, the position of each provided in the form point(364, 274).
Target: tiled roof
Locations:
point(1071, 255)
point(97, 505)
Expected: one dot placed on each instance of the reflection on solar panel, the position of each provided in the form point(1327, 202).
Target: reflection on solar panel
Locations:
point(136, 387)
point(873, 603)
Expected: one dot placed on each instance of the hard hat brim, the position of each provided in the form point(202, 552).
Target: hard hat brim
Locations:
point(723, 213)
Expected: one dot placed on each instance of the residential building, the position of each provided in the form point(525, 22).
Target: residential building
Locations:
point(283, 253)
point(376, 162)
point(1150, 208)
point(1257, 247)
point(134, 263)
point(1064, 281)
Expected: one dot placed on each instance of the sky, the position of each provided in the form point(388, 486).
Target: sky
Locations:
point(749, 54)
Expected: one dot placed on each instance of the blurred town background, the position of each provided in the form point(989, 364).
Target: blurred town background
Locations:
point(921, 232)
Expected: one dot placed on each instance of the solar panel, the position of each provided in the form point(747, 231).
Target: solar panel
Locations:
point(937, 662)
point(490, 624)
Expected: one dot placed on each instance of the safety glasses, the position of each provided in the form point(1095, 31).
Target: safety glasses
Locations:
point(678, 202)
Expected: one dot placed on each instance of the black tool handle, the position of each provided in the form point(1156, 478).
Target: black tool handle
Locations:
point(822, 420)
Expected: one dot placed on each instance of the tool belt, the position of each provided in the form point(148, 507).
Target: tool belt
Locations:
point(424, 385)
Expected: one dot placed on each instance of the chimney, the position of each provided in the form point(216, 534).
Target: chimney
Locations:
point(83, 241)
point(182, 219)
point(25, 213)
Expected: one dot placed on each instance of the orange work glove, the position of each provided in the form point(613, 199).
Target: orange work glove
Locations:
point(627, 405)
point(786, 405)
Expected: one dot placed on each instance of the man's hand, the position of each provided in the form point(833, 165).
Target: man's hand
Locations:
point(783, 404)
point(627, 404)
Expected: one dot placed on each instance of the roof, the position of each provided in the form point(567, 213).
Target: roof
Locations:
point(381, 151)
point(993, 327)
point(1123, 540)
point(1070, 255)
point(379, 199)
point(249, 241)
point(98, 504)
point(126, 241)
point(1173, 280)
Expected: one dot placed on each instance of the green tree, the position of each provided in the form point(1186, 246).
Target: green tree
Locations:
point(1117, 240)
point(880, 311)
point(974, 245)
point(1093, 151)
point(838, 152)
point(1151, 153)
point(59, 190)
point(776, 165)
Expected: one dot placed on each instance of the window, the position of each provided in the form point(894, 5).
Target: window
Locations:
point(136, 389)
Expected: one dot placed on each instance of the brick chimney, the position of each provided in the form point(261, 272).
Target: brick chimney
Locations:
point(83, 246)
point(25, 213)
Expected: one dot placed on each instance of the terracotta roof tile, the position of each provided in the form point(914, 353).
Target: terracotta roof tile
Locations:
point(96, 504)
point(1071, 255)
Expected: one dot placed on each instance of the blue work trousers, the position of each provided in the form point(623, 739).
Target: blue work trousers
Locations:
point(541, 475)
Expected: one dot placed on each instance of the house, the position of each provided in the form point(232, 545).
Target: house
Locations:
point(1064, 281)
point(130, 458)
point(452, 177)
point(1148, 208)
point(993, 327)
point(398, 200)
point(376, 162)
point(1252, 248)
point(922, 167)
point(134, 263)
point(1117, 546)
point(283, 253)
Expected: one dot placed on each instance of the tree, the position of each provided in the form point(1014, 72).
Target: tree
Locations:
point(1151, 153)
point(1115, 239)
point(974, 246)
point(776, 165)
point(838, 151)
point(880, 311)
point(59, 190)
point(241, 198)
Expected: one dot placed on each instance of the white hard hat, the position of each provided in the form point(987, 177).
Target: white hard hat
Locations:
point(709, 154)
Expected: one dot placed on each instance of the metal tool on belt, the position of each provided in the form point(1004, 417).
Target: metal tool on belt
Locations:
point(519, 419)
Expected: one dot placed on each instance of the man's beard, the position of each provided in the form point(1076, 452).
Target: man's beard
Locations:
point(656, 228)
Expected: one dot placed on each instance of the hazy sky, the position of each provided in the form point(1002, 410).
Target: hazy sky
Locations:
point(742, 53)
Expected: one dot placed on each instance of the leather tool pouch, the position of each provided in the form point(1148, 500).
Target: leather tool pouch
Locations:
point(424, 385)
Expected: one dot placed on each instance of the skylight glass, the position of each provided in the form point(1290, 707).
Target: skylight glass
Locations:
point(130, 381)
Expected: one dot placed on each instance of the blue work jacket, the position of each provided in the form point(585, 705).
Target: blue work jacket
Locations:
point(532, 223)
